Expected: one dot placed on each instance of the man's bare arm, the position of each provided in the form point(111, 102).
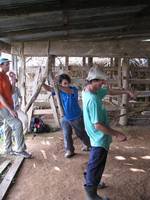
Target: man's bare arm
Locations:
point(47, 87)
point(120, 92)
point(109, 131)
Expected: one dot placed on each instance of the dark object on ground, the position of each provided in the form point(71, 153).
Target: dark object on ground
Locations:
point(38, 126)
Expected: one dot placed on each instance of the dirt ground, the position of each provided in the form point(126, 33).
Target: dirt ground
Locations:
point(49, 176)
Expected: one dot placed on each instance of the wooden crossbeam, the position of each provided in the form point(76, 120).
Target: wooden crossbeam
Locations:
point(42, 111)
point(143, 93)
point(140, 81)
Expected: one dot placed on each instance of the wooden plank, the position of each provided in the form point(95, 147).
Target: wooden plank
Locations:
point(146, 113)
point(109, 48)
point(145, 93)
point(140, 81)
point(42, 112)
point(4, 186)
point(4, 165)
point(139, 121)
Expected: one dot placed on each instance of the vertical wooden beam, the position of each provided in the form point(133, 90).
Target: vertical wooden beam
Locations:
point(119, 78)
point(51, 64)
point(125, 83)
point(111, 61)
point(22, 76)
point(147, 86)
point(90, 62)
point(15, 64)
point(66, 62)
point(84, 61)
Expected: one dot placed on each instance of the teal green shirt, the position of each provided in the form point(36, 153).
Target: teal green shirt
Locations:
point(94, 112)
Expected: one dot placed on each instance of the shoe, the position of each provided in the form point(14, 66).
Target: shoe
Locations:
point(24, 154)
point(91, 193)
point(101, 185)
point(11, 152)
point(69, 154)
point(86, 148)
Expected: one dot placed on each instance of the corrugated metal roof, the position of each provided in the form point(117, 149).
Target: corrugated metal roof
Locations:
point(23, 20)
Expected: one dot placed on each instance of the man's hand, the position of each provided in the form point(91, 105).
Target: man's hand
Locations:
point(12, 75)
point(120, 136)
point(13, 113)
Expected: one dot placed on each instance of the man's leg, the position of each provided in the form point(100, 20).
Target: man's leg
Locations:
point(96, 165)
point(68, 141)
point(7, 137)
point(95, 170)
point(79, 128)
point(15, 125)
point(7, 133)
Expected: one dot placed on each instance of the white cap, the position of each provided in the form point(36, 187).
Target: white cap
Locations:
point(96, 73)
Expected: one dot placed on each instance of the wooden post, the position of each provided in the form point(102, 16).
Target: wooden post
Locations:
point(119, 78)
point(51, 63)
point(112, 62)
point(22, 77)
point(147, 86)
point(90, 62)
point(66, 62)
point(125, 77)
point(84, 61)
point(15, 64)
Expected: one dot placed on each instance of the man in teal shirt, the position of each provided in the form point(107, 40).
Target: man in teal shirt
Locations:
point(97, 127)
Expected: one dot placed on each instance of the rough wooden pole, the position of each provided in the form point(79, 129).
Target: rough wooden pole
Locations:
point(119, 78)
point(147, 87)
point(15, 64)
point(66, 62)
point(125, 76)
point(84, 61)
point(51, 63)
point(90, 62)
point(22, 76)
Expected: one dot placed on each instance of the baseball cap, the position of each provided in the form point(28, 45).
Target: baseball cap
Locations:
point(4, 60)
point(96, 73)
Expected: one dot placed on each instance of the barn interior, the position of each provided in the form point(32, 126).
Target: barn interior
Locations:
point(46, 38)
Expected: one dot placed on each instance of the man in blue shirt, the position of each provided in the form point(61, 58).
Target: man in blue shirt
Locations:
point(97, 127)
point(72, 118)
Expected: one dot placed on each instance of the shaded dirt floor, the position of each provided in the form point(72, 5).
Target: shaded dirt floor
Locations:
point(49, 176)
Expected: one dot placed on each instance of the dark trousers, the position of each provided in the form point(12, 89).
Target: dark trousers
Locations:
point(78, 126)
point(96, 165)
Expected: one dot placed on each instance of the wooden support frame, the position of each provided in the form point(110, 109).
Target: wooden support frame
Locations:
point(40, 82)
